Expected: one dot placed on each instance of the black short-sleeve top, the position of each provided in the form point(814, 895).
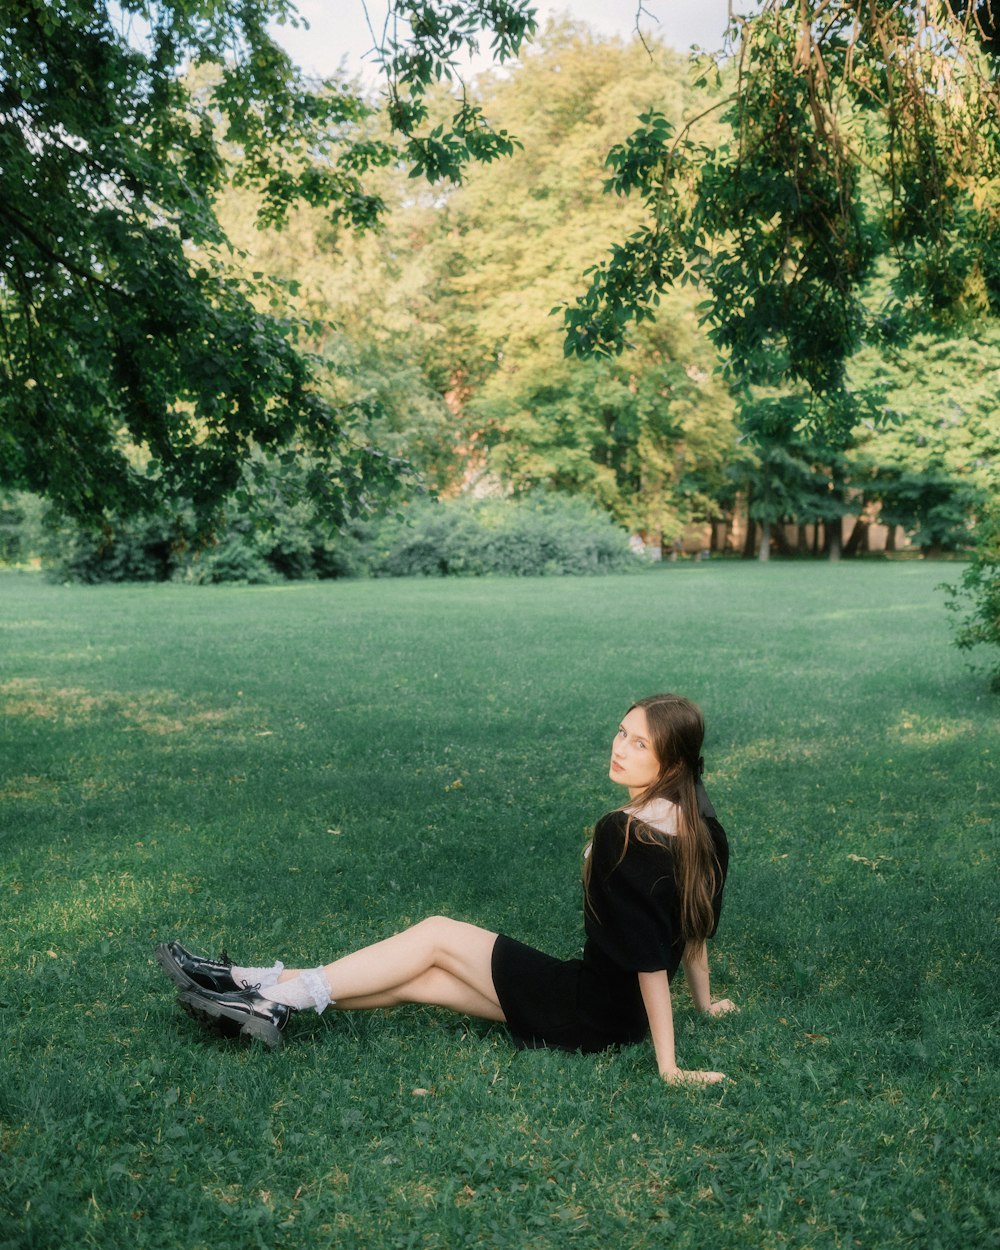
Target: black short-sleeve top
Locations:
point(632, 912)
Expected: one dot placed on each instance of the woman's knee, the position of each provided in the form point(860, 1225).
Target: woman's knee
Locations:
point(442, 931)
point(460, 948)
point(451, 943)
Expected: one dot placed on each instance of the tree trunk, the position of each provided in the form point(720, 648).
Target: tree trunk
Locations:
point(890, 538)
point(858, 540)
point(750, 541)
point(834, 540)
point(779, 541)
point(765, 541)
point(816, 546)
point(802, 541)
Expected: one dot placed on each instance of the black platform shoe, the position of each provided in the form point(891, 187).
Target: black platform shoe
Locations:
point(191, 972)
point(243, 1011)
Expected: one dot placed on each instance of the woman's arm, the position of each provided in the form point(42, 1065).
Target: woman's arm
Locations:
point(695, 961)
point(655, 989)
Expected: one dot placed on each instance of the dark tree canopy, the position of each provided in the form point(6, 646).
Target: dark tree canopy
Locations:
point(135, 365)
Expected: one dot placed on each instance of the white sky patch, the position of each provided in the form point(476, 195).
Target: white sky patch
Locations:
point(339, 36)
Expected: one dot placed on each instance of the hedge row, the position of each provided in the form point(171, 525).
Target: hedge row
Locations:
point(541, 536)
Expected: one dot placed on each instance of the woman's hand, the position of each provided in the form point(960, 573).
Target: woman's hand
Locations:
point(721, 1007)
point(676, 1076)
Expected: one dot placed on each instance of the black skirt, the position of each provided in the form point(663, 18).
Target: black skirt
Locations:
point(564, 1003)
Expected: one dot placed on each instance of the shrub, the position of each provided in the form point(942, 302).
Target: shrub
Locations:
point(143, 549)
point(546, 535)
point(234, 557)
point(978, 595)
point(432, 539)
point(272, 531)
point(23, 536)
point(289, 550)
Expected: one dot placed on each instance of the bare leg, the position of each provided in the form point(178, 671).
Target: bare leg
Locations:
point(441, 962)
point(436, 988)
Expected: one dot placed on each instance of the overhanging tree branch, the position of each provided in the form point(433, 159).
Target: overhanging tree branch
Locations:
point(133, 158)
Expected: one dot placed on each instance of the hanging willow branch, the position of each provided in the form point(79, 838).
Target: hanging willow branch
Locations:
point(858, 132)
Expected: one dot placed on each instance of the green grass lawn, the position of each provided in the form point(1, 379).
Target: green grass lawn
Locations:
point(292, 771)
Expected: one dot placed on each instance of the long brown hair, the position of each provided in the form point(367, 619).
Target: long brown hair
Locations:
point(676, 734)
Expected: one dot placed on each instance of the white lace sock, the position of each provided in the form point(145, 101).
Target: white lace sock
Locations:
point(308, 989)
point(262, 977)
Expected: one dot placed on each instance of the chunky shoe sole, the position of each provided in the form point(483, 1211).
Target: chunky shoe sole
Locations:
point(220, 1015)
point(173, 969)
point(183, 979)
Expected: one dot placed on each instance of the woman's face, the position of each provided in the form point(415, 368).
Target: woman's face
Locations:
point(633, 762)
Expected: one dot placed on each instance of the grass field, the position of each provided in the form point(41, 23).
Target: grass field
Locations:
point(292, 771)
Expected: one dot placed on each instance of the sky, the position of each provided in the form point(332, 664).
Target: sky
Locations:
point(338, 30)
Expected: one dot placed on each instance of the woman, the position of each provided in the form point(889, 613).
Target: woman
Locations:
point(653, 881)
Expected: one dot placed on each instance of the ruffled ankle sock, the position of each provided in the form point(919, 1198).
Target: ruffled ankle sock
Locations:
point(308, 989)
point(260, 978)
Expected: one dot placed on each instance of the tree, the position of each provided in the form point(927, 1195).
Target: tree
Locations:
point(440, 327)
point(859, 131)
point(647, 436)
point(138, 366)
point(787, 475)
point(934, 465)
point(855, 131)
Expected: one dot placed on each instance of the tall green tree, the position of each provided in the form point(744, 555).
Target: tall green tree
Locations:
point(933, 467)
point(443, 318)
point(646, 437)
point(787, 475)
point(136, 363)
point(857, 132)
point(853, 131)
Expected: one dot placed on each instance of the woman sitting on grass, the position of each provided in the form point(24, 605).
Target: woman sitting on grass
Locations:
point(653, 880)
